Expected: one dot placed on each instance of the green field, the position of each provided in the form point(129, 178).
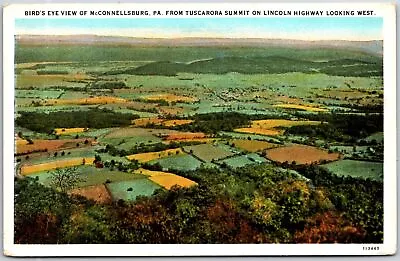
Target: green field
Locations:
point(140, 187)
point(130, 142)
point(92, 176)
point(40, 94)
point(242, 160)
point(178, 162)
point(207, 152)
point(356, 169)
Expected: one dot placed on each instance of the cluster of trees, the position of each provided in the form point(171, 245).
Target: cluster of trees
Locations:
point(340, 127)
point(212, 123)
point(93, 118)
point(254, 204)
point(106, 85)
point(143, 148)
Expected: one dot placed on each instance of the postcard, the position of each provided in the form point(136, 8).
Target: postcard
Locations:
point(199, 129)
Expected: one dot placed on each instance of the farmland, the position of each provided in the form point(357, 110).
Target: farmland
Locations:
point(144, 157)
point(358, 169)
point(300, 154)
point(207, 152)
point(273, 127)
point(218, 143)
point(252, 145)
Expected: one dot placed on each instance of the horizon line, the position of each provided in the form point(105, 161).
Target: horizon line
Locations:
point(201, 37)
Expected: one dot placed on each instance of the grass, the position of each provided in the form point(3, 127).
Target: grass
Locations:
point(81, 152)
point(45, 81)
point(130, 142)
point(300, 154)
point(243, 160)
point(145, 157)
point(140, 187)
point(91, 176)
point(178, 162)
point(39, 94)
point(94, 176)
point(378, 137)
point(207, 152)
point(356, 169)
point(141, 132)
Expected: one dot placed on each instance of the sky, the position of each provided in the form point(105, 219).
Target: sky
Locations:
point(316, 28)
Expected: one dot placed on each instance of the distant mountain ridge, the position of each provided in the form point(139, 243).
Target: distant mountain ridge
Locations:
point(258, 65)
point(373, 47)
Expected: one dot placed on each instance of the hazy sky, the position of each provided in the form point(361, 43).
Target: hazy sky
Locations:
point(321, 28)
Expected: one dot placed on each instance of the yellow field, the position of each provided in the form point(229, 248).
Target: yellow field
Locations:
point(300, 107)
point(170, 110)
point(23, 81)
point(270, 127)
point(253, 145)
point(66, 131)
point(28, 65)
point(170, 180)
point(86, 101)
point(171, 123)
point(20, 142)
point(202, 140)
point(259, 131)
point(141, 122)
point(170, 98)
point(29, 169)
point(150, 173)
point(166, 179)
point(185, 136)
point(145, 157)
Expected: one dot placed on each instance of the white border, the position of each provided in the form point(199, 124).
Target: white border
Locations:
point(387, 11)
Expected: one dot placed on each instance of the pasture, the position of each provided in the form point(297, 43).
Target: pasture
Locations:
point(178, 162)
point(242, 160)
point(207, 152)
point(131, 189)
point(356, 169)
